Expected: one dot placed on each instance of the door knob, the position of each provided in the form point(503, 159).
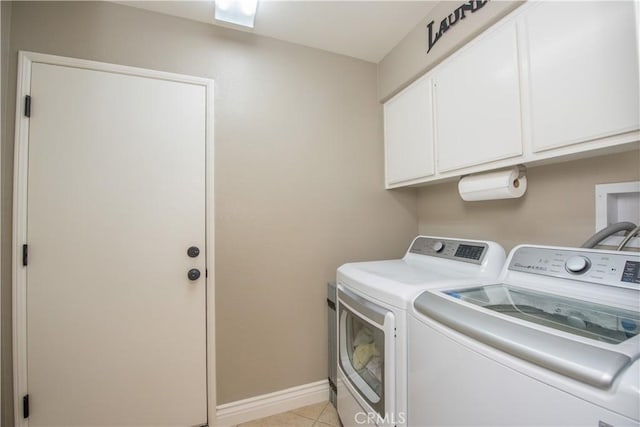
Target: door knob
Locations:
point(193, 251)
point(193, 274)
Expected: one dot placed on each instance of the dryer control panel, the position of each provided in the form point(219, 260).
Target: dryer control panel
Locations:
point(458, 250)
point(601, 267)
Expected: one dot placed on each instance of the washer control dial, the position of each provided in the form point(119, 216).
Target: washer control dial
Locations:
point(438, 246)
point(577, 264)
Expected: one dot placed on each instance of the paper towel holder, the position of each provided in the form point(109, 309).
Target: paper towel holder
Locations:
point(522, 174)
point(507, 183)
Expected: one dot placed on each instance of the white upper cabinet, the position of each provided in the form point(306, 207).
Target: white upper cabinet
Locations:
point(408, 134)
point(554, 79)
point(477, 102)
point(582, 71)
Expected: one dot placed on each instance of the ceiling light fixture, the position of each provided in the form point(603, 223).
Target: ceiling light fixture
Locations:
point(239, 12)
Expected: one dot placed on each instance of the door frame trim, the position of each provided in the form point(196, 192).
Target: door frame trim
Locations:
point(19, 273)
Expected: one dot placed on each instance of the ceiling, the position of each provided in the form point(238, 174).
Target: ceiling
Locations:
point(366, 30)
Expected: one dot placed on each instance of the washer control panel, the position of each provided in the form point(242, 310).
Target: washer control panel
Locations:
point(605, 268)
point(458, 250)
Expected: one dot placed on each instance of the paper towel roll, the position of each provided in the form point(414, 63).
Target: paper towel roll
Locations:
point(505, 184)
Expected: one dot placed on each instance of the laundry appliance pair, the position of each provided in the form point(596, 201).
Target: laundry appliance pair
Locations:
point(451, 334)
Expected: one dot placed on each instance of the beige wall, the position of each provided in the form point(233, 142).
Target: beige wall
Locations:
point(409, 59)
point(557, 209)
point(298, 169)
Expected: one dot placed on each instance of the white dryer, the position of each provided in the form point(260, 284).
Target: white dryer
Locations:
point(554, 342)
point(373, 299)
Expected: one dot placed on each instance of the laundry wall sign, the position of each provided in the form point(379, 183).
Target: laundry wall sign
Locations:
point(454, 17)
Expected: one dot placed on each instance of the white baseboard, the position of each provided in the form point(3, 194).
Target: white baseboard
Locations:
point(241, 411)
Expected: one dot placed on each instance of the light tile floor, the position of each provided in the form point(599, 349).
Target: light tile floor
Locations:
point(319, 415)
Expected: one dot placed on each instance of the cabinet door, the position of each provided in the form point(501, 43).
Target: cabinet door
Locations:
point(408, 133)
point(478, 103)
point(583, 71)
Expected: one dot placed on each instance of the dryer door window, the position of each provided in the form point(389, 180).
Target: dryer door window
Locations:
point(362, 348)
point(365, 351)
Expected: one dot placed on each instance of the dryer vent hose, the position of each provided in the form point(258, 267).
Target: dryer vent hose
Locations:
point(610, 230)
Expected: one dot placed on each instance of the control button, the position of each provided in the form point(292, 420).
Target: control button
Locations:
point(577, 264)
point(438, 246)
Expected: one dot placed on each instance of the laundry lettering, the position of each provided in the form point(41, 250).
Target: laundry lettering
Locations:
point(453, 18)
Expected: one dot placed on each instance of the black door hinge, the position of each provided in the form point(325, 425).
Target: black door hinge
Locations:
point(25, 255)
point(25, 406)
point(27, 105)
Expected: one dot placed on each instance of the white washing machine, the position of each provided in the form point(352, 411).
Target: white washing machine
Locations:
point(373, 299)
point(553, 342)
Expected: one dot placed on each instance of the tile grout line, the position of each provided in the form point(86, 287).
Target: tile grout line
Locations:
point(321, 412)
point(317, 421)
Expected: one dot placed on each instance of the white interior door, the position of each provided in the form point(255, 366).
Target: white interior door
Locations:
point(116, 331)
